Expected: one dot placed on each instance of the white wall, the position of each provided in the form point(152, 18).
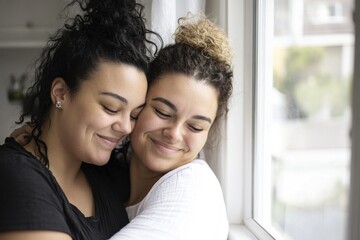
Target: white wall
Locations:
point(24, 28)
point(12, 61)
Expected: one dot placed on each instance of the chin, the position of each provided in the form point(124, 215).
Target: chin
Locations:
point(99, 161)
point(160, 167)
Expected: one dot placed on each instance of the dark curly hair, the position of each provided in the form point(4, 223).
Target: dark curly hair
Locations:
point(201, 51)
point(107, 30)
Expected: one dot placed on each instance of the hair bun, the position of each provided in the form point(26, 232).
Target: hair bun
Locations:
point(111, 20)
point(199, 32)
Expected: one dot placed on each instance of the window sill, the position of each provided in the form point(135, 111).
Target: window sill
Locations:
point(240, 232)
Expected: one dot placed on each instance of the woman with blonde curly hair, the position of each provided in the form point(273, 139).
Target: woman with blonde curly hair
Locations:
point(175, 195)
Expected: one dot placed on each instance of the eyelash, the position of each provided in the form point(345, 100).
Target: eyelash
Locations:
point(110, 111)
point(194, 129)
point(161, 114)
point(165, 116)
point(134, 117)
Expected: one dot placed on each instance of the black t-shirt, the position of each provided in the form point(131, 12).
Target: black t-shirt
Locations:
point(31, 198)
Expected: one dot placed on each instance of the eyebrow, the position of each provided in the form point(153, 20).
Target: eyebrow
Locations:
point(122, 99)
point(202, 118)
point(173, 107)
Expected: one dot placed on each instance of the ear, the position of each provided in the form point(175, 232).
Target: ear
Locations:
point(59, 90)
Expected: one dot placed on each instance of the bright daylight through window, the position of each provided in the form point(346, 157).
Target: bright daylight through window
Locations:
point(302, 144)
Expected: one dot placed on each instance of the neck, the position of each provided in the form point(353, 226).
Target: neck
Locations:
point(141, 180)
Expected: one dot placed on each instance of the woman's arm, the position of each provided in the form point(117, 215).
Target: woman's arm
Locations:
point(185, 204)
point(34, 235)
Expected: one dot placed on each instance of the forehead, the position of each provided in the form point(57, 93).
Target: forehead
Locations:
point(186, 93)
point(123, 79)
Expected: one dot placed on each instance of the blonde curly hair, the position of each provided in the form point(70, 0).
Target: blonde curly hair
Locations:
point(201, 51)
point(199, 32)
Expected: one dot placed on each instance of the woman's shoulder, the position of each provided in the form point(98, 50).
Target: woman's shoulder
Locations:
point(197, 169)
point(19, 169)
point(14, 155)
point(195, 179)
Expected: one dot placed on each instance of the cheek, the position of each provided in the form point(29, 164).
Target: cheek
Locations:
point(146, 120)
point(138, 128)
point(78, 108)
point(95, 121)
point(87, 124)
point(196, 143)
point(132, 125)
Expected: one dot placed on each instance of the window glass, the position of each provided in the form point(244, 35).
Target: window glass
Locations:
point(302, 118)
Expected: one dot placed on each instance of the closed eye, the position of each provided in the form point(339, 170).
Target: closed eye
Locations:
point(134, 116)
point(195, 129)
point(110, 110)
point(161, 114)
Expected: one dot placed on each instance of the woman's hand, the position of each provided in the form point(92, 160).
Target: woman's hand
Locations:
point(22, 134)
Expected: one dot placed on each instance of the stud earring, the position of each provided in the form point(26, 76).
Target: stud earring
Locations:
point(58, 105)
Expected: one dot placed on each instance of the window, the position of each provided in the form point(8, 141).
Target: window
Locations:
point(301, 119)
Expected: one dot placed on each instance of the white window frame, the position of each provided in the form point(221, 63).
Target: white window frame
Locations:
point(238, 180)
point(258, 48)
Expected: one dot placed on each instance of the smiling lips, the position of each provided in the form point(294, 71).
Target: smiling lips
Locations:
point(110, 141)
point(165, 147)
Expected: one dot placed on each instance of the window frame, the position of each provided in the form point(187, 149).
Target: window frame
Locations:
point(260, 68)
point(242, 28)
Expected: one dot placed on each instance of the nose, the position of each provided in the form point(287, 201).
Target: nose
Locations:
point(173, 133)
point(123, 125)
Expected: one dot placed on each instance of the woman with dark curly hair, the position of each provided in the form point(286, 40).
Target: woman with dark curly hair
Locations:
point(175, 195)
point(89, 87)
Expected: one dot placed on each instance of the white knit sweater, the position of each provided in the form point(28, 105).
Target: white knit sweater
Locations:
point(185, 204)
